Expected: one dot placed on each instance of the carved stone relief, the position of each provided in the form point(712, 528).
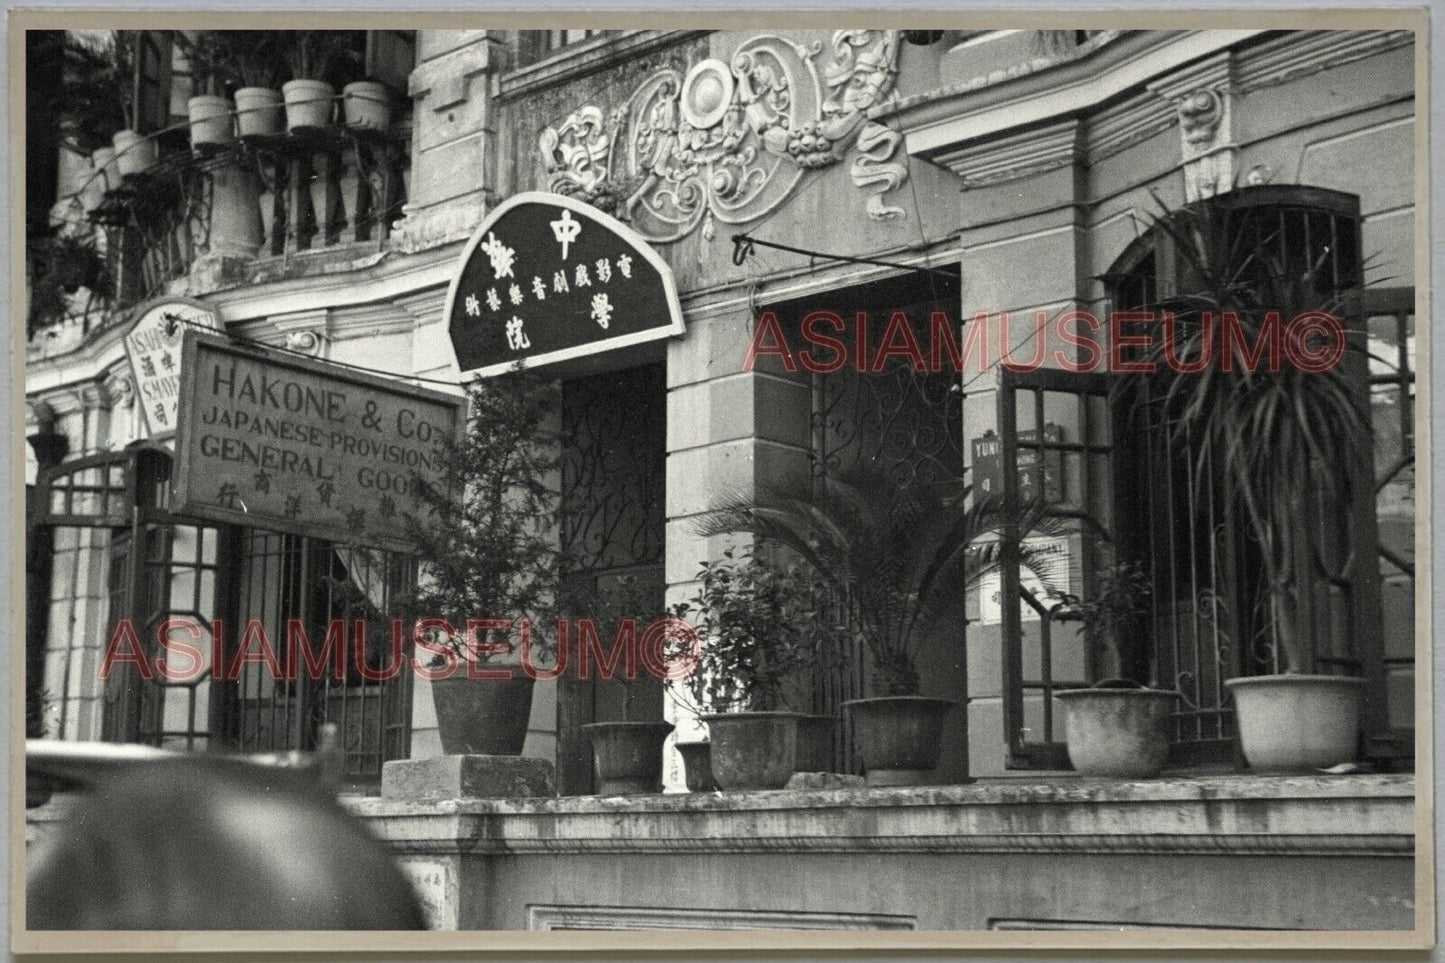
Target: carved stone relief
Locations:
point(729, 141)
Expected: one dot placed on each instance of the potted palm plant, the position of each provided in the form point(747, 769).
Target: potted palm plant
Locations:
point(486, 550)
point(1118, 727)
point(627, 753)
point(208, 110)
point(900, 558)
point(1287, 443)
point(756, 618)
point(253, 60)
point(315, 59)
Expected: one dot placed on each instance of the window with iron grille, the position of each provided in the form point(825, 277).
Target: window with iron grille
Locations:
point(1136, 490)
point(123, 557)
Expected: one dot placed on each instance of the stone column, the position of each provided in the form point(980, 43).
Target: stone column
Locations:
point(453, 143)
point(729, 432)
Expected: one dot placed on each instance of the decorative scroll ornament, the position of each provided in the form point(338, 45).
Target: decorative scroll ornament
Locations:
point(1209, 154)
point(729, 141)
point(578, 154)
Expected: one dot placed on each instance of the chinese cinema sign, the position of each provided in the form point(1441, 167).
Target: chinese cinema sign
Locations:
point(154, 349)
point(303, 446)
point(546, 278)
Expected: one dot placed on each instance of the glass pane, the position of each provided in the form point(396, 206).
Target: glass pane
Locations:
point(183, 543)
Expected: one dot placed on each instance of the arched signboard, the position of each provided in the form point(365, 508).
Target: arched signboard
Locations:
point(546, 278)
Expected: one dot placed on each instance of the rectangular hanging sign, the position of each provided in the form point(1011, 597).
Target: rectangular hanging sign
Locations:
point(302, 446)
point(547, 278)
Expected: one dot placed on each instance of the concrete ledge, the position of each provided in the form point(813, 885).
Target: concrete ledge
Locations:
point(466, 778)
point(1363, 815)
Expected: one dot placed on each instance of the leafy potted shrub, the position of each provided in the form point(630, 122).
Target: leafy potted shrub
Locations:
point(900, 558)
point(486, 551)
point(63, 264)
point(1287, 444)
point(112, 65)
point(627, 753)
point(1118, 727)
point(756, 620)
point(315, 58)
point(93, 102)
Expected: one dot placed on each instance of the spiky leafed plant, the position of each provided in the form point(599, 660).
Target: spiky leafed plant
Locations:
point(486, 541)
point(898, 556)
point(1285, 441)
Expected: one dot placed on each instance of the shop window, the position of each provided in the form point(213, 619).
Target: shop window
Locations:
point(322, 585)
point(1142, 493)
point(897, 418)
point(1390, 316)
point(535, 45)
point(120, 553)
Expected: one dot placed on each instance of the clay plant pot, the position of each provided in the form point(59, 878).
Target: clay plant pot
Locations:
point(1294, 723)
point(134, 153)
point(753, 750)
point(258, 112)
point(899, 738)
point(628, 756)
point(1123, 733)
point(697, 766)
point(309, 104)
point(366, 104)
point(210, 121)
point(482, 716)
point(815, 744)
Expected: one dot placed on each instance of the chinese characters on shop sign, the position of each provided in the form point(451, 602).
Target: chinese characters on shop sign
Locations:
point(303, 446)
point(548, 278)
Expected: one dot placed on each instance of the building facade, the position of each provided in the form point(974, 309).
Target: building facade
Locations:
point(1002, 179)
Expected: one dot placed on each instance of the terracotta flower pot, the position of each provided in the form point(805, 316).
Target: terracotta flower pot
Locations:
point(1122, 733)
point(697, 766)
point(815, 744)
point(258, 111)
point(309, 103)
point(210, 119)
point(753, 750)
point(367, 104)
point(628, 755)
point(482, 716)
point(134, 154)
point(899, 738)
point(1297, 722)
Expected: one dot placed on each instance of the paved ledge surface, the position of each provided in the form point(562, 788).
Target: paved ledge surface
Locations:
point(1361, 815)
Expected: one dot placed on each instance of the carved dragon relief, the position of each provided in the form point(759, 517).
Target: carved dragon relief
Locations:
point(730, 141)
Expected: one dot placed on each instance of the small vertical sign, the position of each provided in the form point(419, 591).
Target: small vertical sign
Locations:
point(153, 346)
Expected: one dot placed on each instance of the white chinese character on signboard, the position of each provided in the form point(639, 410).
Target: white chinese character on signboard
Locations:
point(493, 301)
point(559, 282)
point(601, 310)
point(501, 256)
point(539, 288)
point(516, 337)
point(582, 280)
point(474, 307)
point(514, 294)
point(624, 264)
point(566, 230)
point(604, 270)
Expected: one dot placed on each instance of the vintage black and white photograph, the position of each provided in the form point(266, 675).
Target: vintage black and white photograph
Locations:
point(627, 474)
